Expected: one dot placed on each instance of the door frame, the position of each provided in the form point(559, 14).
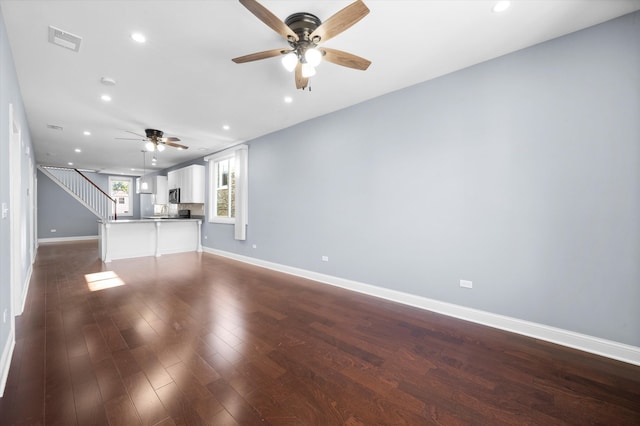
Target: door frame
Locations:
point(15, 213)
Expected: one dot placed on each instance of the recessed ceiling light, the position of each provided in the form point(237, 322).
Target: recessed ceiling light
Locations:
point(105, 98)
point(86, 133)
point(288, 99)
point(226, 127)
point(501, 6)
point(78, 150)
point(139, 37)
point(71, 164)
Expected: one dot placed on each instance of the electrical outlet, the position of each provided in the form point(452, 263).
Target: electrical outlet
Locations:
point(205, 237)
point(325, 258)
point(255, 246)
point(466, 284)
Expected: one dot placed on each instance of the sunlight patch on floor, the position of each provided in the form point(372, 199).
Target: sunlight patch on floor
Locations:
point(102, 280)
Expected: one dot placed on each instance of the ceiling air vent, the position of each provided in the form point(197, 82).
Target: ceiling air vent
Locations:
point(64, 39)
point(54, 127)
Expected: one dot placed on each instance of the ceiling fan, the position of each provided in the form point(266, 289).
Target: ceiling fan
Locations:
point(155, 140)
point(304, 32)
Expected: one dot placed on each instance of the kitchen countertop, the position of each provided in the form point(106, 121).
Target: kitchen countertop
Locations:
point(152, 219)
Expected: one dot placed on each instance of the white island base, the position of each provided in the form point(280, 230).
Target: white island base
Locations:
point(122, 239)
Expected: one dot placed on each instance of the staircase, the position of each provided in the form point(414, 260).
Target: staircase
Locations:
point(83, 189)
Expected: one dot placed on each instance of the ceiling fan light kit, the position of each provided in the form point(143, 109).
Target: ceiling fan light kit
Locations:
point(156, 141)
point(308, 71)
point(313, 57)
point(289, 61)
point(304, 32)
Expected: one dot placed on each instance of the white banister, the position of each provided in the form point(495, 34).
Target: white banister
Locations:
point(83, 190)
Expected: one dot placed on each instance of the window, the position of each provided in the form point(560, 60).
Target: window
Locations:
point(228, 188)
point(120, 189)
point(225, 189)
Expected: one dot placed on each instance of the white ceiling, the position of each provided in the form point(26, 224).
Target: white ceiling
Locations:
point(183, 82)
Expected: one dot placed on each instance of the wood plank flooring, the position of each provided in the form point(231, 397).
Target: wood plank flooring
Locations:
point(195, 339)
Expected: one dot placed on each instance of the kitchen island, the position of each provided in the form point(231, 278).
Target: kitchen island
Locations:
point(122, 239)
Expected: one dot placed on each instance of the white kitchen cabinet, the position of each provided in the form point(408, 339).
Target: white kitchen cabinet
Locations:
point(172, 177)
point(190, 180)
point(161, 190)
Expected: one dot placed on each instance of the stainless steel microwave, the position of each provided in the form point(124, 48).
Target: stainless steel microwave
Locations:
point(174, 196)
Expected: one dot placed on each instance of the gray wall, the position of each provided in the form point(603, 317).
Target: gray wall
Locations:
point(521, 174)
point(60, 211)
point(10, 94)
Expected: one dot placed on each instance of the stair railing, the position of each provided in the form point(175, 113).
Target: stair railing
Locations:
point(84, 190)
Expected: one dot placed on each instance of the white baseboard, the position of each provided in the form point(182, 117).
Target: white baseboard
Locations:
point(63, 239)
point(25, 290)
point(583, 342)
point(5, 359)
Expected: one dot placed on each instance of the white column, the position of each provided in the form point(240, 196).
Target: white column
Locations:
point(158, 254)
point(105, 242)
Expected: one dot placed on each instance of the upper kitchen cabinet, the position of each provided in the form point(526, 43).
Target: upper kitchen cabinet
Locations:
point(190, 180)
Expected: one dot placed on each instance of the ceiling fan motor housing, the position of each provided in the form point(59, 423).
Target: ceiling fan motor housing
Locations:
point(154, 134)
point(303, 24)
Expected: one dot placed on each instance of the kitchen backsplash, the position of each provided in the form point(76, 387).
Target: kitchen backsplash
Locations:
point(196, 209)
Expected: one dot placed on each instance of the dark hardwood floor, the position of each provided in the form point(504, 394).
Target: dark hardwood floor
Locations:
point(194, 339)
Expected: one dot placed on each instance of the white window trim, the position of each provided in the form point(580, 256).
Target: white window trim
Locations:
point(131, 191)
point(213, 177)
point(241, 202)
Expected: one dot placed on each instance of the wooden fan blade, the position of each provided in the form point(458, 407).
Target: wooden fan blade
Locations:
point(169, 139)
point(176, 145)
point(345, 59)
point(131, 139)
point(340, 21)
point(260, 55)
point(301, 82)
point(272, 21)
point(137, 134)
